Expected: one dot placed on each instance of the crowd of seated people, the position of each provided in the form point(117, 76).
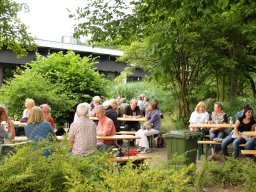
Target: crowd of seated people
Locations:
point(83, 132)
point(244, 121)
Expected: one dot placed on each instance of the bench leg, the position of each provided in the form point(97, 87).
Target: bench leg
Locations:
point(207, 152)
point(199, 151)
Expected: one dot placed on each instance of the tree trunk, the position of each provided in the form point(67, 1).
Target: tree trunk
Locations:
point(217, 88)
point(223, 89)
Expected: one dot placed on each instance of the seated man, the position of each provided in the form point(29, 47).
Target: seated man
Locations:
point(132, 111)
point(11, 132)
point(82, 133)
point(47, 114)
point(105, 127)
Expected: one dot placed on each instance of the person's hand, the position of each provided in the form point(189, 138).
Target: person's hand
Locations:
point(213, 129)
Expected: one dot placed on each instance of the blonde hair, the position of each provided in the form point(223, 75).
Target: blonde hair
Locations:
point(201, 103)
point(36, 115)
point(29, 101)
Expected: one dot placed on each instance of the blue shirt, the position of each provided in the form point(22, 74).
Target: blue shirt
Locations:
point(39, 131)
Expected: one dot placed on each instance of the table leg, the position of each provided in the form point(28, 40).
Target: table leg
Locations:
point(128, 143)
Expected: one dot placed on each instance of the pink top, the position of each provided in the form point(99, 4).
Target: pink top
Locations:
point(83, 135)
point(106, 125)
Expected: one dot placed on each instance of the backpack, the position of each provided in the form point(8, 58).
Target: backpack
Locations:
point(159, 141)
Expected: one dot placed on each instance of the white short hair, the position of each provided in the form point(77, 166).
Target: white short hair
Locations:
point(96, 98)
point(82, 109)
point(45, 105)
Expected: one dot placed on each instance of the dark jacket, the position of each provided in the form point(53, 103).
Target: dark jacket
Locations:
point(112, 114)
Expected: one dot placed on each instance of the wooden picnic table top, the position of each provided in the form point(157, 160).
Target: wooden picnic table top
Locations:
point(16, 123)
point(249, 133)
point(221, 126)
point(126, 133)
point(117, 137)
point(248, 152)
point(123, 119)
point(24, 138)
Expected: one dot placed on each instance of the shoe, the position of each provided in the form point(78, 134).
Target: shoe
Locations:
point(145, 151)
point(210, 158)
point(140, 149)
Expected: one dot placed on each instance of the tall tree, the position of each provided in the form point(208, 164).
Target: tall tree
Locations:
point(13, 33)
point(182, 42)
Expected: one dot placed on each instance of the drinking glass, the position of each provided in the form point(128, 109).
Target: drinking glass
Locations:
point(134, 114)
point(66, 127)
point(15, 117)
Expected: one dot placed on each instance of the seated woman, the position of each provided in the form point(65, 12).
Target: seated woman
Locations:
point(47, 114)
point(10, 134)
point(245, 123)
point(29, 103)
point(153, 121)
point(200, 115)
point(217, 117)
point(36, 128)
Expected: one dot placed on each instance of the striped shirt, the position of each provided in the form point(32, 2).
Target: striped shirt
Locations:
point(82, 134)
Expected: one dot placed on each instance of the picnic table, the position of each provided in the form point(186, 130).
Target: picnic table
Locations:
point(142, 119)
point(119, 137)
point(205, 125)
point(250, 133)
point(16, 123)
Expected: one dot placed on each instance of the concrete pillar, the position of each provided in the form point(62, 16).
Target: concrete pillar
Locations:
point(1, 75)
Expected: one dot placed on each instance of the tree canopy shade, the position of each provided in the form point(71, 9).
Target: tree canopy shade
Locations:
point(185, 43)
point(13, 33)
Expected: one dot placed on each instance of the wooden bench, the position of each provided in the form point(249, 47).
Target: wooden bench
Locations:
point(207, 143)
point(248, 152)
point(131, 158)
point(126, 133)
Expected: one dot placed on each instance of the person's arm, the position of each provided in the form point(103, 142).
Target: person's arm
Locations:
point(153, 118)
point(125, 115)
point(236, 132)
point(138, 113)
point(71, 134)
point(11, 129)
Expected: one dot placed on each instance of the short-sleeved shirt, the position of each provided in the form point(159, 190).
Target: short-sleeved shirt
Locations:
point(106, 125)
point(198, 118)
point(245, 127)
point(83, 134)
point(38, 131)
point(129, 111)
point(220, 118)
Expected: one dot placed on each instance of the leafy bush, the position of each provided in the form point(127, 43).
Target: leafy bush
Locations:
point(30, 84)
point(28, 170)
point(150, 89)
point(76, 76)
point(231, 173)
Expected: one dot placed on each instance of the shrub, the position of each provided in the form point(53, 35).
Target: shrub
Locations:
point(30, 84)
point(132, 90)
point(77, 76)
point(28, 170)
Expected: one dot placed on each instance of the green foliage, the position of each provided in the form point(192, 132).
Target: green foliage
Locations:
point(75, 76)
point(30, 84)
point(28, 170)
point(231, 173)
point(197, 47)
point(14, 35)
point(151, 90)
